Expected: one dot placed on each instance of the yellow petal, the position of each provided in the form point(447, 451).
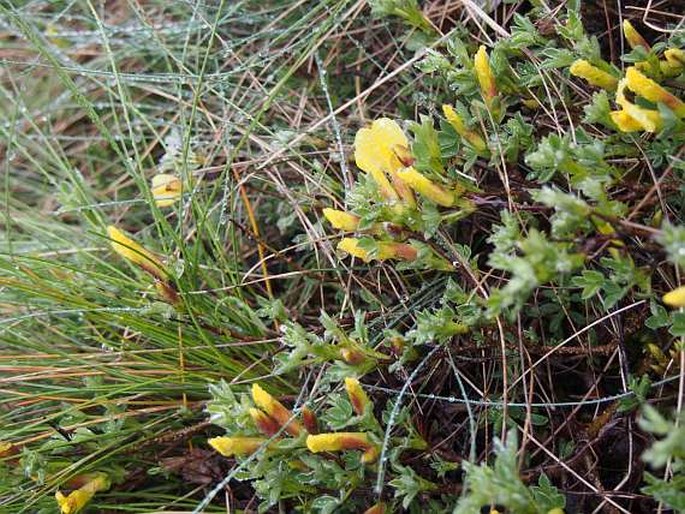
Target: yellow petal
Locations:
point(264, 423)
point(74, 502)
point(675, 57)
point(241, 446)
point(484, 74)
point(78, 499)
point(625, 122)
point(341, 219)
point(425, 187)
point(649, 119)
point(675, 298)
point(373, 152)
point(647, 88)
point(351, 245)
point(166, 189)
point(593, 75)
point(357, 396)
point(633, 36)
point(338, 441)
point(401, 251)
point(135, 253)
point(276, 410)
point(459, 127)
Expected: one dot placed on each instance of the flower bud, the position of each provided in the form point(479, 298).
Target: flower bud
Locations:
point(593, 75)
point(358, 398)
point(425, 187)
point(352, 356)
point(264, 423)
point(341, 220)
point(276, 410)
point(240, 446)
point(135, 253)
point(471, 136)
point(311, 424)
point(633, 37)
point(339, 441)
point(484, 74)
point(675, 298)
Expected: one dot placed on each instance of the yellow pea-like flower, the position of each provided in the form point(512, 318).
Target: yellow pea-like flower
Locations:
point(675, 58)
point(385, 250)
point(649, 120)
point(633, 37)
point(351, 246)
point(675, 298)
point(238, 446)
point(264, 423)
point(625, 122)
point(593, 75)
point(484, 74)
point(340, 441)
point(357, 395)
point(649, 89)
point(425, 187)
point(135, 253)
point(460, 128)
point(376, 153)
point(166, 189)
point(276, 410)
point(341, 220)
point(76, 501)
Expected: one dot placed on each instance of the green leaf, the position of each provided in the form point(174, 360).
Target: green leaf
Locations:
point(426, 148)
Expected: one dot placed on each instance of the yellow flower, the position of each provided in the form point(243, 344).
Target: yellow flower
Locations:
point(166, 189)
point(484, 74)
point(633, 36)
point(240, 446)
point(341, 219)
point(385, 250)
point(339, 441)
point(357, 396)
point(264, 423)
point(375, 152)
point(352, 356)
point(647, 88)
point(276, 410)
point(625, 122)
point(648, 119)
point(351, 245)
point(593, 75)
point(135, 253)
point(675, 61)
point(77, 500)
point(458, 125)
point(425, 187)
point(675, 298)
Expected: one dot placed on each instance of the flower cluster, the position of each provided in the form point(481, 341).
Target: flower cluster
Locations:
point(271, 418)
point(634, 116)
point(382, 151)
